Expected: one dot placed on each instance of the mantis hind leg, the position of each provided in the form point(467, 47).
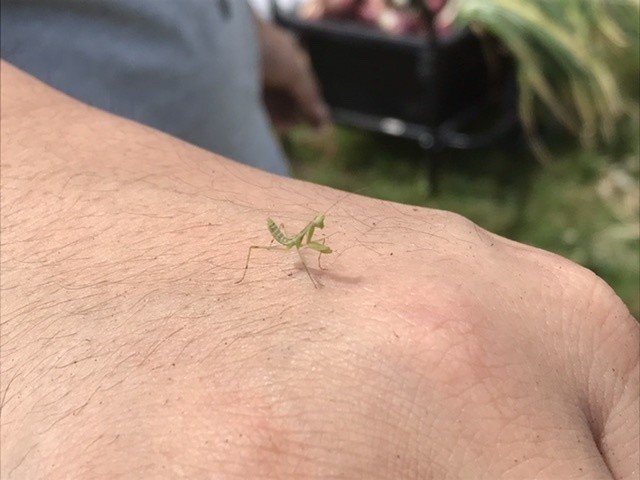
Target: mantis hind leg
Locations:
point(315, 284)
point(246, 265)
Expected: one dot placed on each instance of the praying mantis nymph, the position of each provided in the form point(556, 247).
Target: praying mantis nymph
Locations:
point(303, 239)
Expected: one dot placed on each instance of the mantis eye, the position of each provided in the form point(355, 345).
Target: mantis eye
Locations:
point(319, 221)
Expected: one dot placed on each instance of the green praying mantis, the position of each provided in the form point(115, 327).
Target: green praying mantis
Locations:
point(303, 239)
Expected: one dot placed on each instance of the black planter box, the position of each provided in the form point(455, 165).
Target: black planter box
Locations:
point(406, 86)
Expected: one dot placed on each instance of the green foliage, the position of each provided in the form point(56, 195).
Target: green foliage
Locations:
point(577, 58)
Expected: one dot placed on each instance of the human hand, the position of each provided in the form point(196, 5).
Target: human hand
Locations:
point(434, 350)
point(291, 90)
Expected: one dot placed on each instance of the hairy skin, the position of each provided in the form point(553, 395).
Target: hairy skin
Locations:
point(435, 350)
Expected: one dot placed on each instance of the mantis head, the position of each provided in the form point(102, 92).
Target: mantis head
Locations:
point(318, 222)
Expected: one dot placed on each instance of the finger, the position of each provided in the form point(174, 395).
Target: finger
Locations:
point(307, 95)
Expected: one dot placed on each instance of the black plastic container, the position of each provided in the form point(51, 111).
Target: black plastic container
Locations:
point(409, 86)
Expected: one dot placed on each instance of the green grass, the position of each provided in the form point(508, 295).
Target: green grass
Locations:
point(581, 205)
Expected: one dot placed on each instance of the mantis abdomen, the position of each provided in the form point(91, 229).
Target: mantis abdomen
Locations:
point(280, 237)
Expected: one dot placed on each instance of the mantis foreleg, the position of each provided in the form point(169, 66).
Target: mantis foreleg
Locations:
point(310, 230)
point(320, 247)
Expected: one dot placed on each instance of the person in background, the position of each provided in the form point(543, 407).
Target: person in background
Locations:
point(196, 69)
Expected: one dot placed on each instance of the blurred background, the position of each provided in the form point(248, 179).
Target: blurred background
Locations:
point(530, 129)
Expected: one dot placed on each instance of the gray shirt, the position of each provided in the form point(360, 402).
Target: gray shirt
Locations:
point(187, 67)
